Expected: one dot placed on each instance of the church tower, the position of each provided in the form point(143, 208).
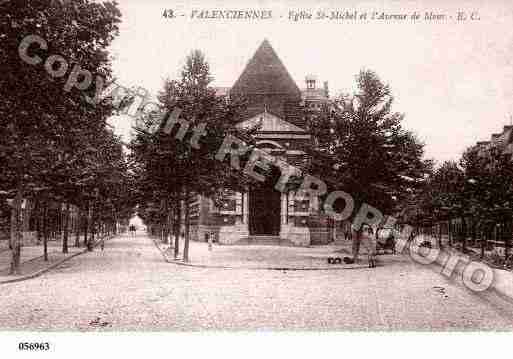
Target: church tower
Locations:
point(264, 215)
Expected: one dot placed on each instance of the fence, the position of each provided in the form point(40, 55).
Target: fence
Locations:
point(467, 234)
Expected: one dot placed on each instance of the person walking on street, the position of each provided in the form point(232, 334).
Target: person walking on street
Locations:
point(365, 235)
point(346, 225)
point(132, 230)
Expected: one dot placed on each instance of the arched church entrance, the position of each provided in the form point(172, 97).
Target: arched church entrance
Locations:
point(265, 204)
point(264, 211)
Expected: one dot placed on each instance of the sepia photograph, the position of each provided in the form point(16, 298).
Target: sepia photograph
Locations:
point(256, 178)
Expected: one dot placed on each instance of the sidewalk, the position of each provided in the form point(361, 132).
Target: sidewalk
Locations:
point(502, 279)
point(264, 256)
point(32, 261)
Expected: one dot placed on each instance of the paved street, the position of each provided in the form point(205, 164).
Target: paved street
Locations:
point(130, 287)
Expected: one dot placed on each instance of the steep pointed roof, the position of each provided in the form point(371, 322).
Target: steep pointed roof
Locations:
point(265, 74)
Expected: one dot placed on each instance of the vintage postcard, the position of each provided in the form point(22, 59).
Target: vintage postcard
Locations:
point(253, 173)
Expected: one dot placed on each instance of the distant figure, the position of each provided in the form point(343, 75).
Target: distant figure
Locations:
point(102, 244)
point(365, 235)
point(209, 238)
point(132, 230)
point(347, 232)
point(369, 241)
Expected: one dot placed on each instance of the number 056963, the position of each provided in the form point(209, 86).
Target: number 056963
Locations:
point(34, 346)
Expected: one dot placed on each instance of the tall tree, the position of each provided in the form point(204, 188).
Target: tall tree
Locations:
point(361, 147)
point(182, 165)
point(36, 113)
point(488, 188)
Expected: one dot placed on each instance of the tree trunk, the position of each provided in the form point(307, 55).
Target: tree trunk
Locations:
point(450, 233)
point(484, 233)
point(472, 232)
point(170, 224)
point(90, 243)
point(464, 234)
point(39, 227)
point(86, 228)
point(77, 228)
point(357, 237)
point(86, 225)
point(163, 224)
point(440, 236)
point(66, 230)
point(507, 238)
point(60, 227)
point(16, 234)
point(45, 231)
point(187, 225)
point(115, 225)
point(177, 227)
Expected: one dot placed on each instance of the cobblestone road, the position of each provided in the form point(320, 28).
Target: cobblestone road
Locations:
point(130, 287)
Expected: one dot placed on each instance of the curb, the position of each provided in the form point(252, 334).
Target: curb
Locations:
point(44, 270)
point(41, 271)
point(178, 263)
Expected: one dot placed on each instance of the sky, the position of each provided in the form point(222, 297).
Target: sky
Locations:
point(453, 80)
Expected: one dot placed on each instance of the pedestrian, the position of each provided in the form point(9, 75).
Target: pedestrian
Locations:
point(356, 241)
point(209, 237)
point(364, 236)
point(132, 230)
point(102, 244)
point(347, 230)
point(370, 243)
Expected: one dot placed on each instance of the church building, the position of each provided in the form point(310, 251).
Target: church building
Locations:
point(264, 215)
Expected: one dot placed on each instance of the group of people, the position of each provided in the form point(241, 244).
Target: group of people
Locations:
point(370, 238)
point(369, 241)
